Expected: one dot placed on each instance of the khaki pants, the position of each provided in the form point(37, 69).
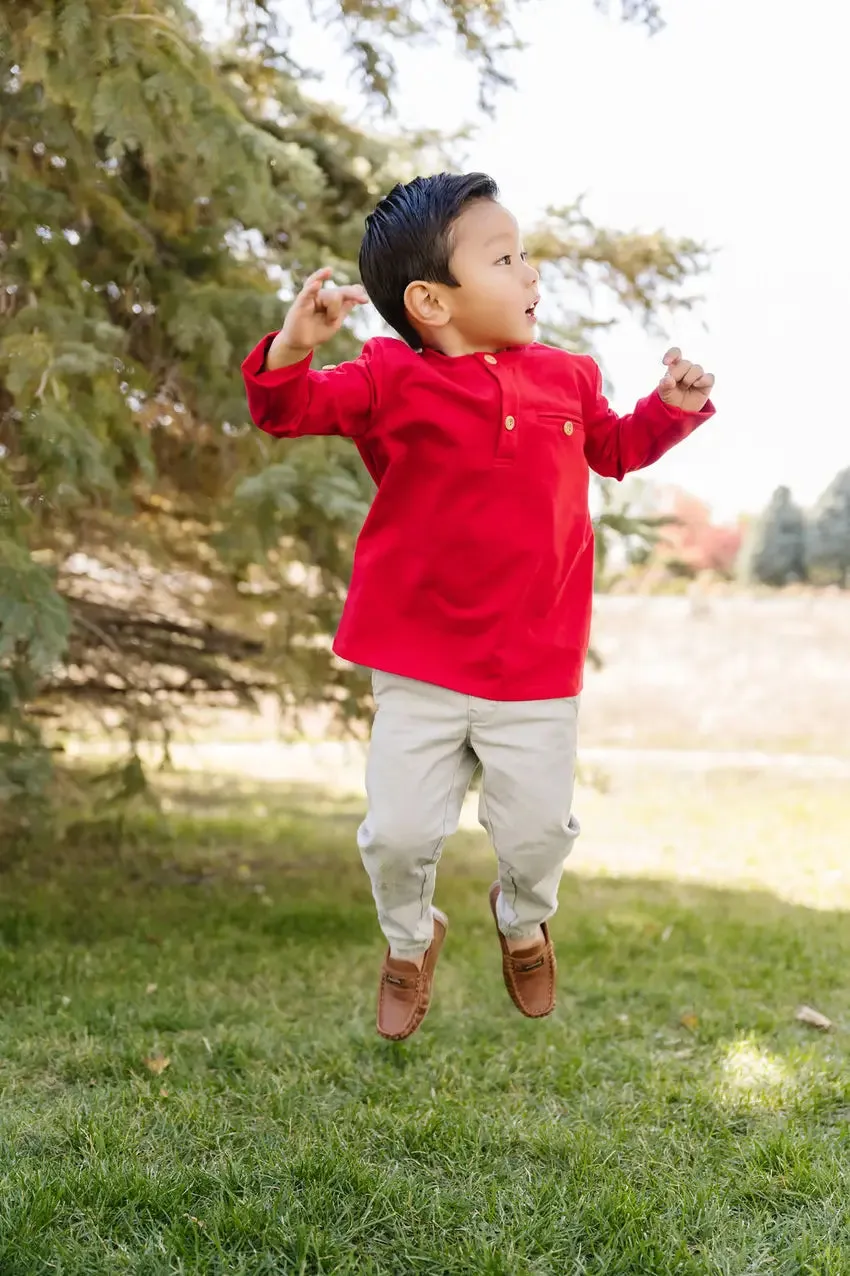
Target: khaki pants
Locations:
point(426, 744)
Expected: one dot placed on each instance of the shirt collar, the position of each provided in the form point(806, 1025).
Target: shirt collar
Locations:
point(481, 356)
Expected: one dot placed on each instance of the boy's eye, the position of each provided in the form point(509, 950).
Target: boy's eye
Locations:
point(508, 258)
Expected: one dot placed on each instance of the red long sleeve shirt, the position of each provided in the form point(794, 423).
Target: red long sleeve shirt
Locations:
point(474, 568)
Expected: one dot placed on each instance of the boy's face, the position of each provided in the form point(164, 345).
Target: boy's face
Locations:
point(495, 303)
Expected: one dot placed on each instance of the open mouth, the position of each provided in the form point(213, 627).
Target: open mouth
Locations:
point(532, 309)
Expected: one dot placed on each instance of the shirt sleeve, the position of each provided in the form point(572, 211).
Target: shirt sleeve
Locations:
point(296, 401)
point(616, 445)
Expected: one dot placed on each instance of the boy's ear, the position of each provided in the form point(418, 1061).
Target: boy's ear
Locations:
point(425, 305)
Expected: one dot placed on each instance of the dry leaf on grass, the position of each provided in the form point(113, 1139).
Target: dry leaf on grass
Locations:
point(813, 1018)
point(156, 1063)
point(151, 988)
point(690, 1021)
point(163, 1093)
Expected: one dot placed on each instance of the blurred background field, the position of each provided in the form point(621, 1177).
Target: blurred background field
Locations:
point(714, 671)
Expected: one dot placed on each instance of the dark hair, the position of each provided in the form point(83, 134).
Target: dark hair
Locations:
point(409, 237)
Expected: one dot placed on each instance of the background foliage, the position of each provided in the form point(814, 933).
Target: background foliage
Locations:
point(161, 200)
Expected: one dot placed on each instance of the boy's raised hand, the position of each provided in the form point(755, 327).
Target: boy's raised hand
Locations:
point(684, 385)
point(316, 315)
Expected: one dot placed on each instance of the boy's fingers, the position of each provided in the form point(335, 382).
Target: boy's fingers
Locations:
point(354, 293)
point(680, 371)
point(349, 305)
point(307, 297)
point(313, 285)
point(317, 279)
point(354, 297)
point(332, 305)
point(706, 382)
point(672, 356)
point(692, 375)
point(336, 302)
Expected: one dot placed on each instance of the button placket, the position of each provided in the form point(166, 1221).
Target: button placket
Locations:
point(506, 445)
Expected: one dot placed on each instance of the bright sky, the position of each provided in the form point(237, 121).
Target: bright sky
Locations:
point(726, 127)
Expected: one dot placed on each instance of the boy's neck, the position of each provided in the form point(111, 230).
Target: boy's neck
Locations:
point(454, 345)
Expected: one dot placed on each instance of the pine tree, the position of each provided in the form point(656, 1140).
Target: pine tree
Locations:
point(776, 552)
point(828, 535)
point(160, 201)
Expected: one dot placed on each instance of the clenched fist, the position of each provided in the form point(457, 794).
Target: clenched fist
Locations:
point(684, 385)
point(316, 315)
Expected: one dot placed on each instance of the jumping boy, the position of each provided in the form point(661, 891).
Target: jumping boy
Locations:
point(472, 583)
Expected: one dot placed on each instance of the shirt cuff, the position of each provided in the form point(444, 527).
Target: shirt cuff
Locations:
point(254, 369)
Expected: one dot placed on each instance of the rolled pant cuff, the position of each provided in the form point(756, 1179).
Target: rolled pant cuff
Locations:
point(515, 933)
point(408, 954)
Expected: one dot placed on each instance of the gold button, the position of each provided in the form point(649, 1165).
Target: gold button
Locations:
point(489, 358)
point(568, 427)
point(510, 422)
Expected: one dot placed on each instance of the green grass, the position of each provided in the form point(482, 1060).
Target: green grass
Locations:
point(286, 1137)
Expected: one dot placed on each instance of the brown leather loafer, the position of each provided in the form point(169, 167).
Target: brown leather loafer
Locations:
point(405, 992)
point(529, 973)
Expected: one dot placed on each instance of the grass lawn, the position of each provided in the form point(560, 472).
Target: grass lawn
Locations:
point(672, 1117)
